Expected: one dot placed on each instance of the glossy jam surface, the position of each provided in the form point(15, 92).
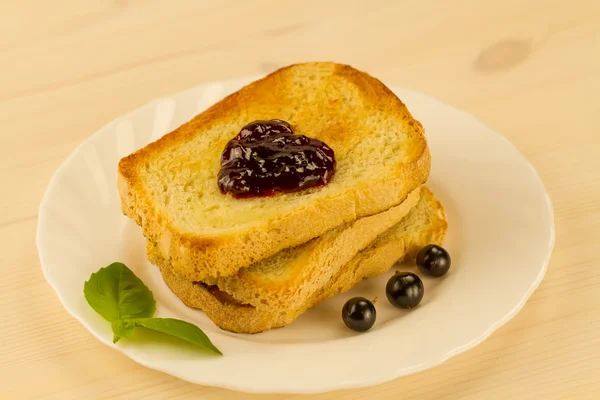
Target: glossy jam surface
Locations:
point(266, 157)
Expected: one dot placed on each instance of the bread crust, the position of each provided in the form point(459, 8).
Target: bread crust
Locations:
point(307, 267)
point(425, 224)
point(202, 255)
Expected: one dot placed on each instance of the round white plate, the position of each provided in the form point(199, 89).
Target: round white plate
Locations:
point(500, 237)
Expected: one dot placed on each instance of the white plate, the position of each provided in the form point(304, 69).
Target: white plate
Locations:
point(501, 235)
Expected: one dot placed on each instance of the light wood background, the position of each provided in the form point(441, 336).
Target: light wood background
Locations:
point(529, 69)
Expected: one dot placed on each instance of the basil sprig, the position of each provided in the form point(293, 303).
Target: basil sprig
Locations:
point(122, 299)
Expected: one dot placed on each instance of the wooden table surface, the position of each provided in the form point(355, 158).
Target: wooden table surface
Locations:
point(529, 69)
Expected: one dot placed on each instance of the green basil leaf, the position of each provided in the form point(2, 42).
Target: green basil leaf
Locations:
point(116, 293)
point(179, 329)
point(121, 298)
point(122, 328)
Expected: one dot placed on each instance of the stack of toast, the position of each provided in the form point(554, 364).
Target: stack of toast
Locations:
point(254, 264)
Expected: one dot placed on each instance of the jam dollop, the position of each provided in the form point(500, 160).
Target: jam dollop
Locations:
point(266, 157)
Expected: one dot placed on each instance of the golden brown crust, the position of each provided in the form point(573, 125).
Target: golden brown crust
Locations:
point(199, 255)
point(429, 227)
point(313, 263)
point(425, 224)
point(226, 315)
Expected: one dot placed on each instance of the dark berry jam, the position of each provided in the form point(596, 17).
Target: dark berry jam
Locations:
point(266, 157)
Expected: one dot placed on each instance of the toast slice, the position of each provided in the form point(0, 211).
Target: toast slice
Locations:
point(286, 279)
point(170, 186)
point(425, 224)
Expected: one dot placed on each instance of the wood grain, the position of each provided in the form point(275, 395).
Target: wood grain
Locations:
point(530, 70)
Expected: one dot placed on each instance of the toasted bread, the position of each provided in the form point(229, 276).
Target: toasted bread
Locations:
point(286, 279)
point(170, 186)
point(424, 224)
